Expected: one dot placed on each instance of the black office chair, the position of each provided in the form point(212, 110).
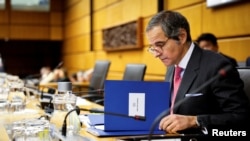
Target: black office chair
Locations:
point(133, 72)
point(99, 75)
point(245, 76)
point(248, 61)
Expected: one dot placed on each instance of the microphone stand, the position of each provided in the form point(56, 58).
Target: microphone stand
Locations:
point(97, 91)
point(77, 109)
point(221, 73)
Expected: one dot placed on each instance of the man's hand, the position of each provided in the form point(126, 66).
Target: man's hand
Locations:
point(173, 123)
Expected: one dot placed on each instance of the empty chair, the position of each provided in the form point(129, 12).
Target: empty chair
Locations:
point(134, 72)
point(99, 75)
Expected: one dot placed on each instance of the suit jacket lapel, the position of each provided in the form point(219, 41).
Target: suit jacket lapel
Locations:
point(190, 74)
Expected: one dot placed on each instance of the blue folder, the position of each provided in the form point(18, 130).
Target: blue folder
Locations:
point(102, 133)
point(157, 98)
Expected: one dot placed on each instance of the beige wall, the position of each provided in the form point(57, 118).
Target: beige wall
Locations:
point(229, 23)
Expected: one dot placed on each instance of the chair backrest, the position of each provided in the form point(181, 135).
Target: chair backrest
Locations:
point(134, 72)
point(245, 76)
point(99, 74)
point(248, 61)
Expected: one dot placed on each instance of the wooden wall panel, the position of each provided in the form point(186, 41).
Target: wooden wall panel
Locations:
point(28, 18)
point(70, 3)
point(4, 19)
point(175, 4)
point(130, 11)
point(29, 32)
point(56, 33)
point(148, 8)
point(231, 20)
point(97, 41)
point(4, 31)
point(99, 20)
point(238, 48)
point(77, 11)
point(110, 13)
point(75, 61)
point(114, 15)
point(40, 25)
point(77, 45)
point(57, 5)
point(98, 4)
point(120, 59)
point(77, 28)
point(194, 17)
point(144, 25)
point(100, 55)
point(56, 19)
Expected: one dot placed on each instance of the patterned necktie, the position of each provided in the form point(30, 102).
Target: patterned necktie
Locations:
point(177, 81)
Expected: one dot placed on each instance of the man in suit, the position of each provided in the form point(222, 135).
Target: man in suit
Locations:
point(208, 41)
point(222, 104)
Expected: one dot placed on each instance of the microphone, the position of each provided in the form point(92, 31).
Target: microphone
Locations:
point(59, 65)
point(95, 91)
point(47, 104)
point(222, 73)
point(33, 76)
point(77, 109)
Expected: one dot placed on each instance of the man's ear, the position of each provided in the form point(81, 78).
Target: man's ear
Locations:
point(182, 36)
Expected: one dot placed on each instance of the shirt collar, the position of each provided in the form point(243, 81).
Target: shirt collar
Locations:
point(184, 61)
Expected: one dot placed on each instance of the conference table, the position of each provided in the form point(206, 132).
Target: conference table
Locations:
point(75, 85)
point(33, 110)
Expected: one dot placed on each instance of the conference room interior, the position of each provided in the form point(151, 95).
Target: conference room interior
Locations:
point(80, 33)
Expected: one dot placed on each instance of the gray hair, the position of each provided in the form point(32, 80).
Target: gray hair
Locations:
point(171, 22)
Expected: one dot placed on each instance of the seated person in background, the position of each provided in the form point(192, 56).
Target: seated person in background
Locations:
point(44, 71)
point(57, 75)
point(60, 75)
point(82, 76)
point(208, 41)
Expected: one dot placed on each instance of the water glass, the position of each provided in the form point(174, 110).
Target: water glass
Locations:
point(30, 130)
point(71, 100)
point(16, 97)
point(16, 106)
point(4, 106)
point(4, 103)
point(59, 102)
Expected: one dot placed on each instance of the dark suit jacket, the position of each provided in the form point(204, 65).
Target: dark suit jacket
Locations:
point(221, 104)
point(232, 60)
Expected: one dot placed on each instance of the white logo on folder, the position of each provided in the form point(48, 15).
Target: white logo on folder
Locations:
point(136, 104)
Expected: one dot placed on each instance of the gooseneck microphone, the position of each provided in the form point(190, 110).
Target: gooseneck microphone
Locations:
point(95, 91)
point(77, 109)
point(49, 107)
point(59, 65)
point(222, 73)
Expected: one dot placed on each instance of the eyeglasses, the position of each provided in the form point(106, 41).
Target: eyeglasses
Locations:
point(157, 47)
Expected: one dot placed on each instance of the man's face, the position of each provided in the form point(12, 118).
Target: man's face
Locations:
point(207, 45)
point(168, 50)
